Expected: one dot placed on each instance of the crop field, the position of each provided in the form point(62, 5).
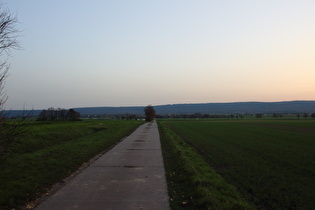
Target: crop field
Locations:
point(49, 152)
point(269, 162)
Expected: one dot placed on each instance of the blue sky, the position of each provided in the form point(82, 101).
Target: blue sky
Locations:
point(130, 53)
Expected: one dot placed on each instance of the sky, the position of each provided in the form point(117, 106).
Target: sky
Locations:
point(79, 53)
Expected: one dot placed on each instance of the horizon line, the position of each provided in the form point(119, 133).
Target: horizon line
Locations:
point(174, 104)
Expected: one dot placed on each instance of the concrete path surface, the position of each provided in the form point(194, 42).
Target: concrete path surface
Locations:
point(129, 176)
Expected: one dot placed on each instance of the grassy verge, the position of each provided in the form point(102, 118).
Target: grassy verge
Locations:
point(192, 184)
point(271, 162)
point(50, 152)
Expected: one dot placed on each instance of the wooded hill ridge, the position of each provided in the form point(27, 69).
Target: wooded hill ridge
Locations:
point(204, 108)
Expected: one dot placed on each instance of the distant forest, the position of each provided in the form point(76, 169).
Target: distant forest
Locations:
point(52, 114)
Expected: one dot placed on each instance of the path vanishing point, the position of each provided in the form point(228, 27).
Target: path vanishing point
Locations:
point(129, 176)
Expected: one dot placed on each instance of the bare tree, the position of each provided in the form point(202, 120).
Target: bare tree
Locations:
point(8, 41)
point(149, 113)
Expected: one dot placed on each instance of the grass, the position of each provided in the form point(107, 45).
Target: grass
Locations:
point(192, 184)
point(271, 162)
point(50, 152)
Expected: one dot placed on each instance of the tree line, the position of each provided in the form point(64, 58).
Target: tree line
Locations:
point(59, 114)
point(200, 115)
point(232, 116)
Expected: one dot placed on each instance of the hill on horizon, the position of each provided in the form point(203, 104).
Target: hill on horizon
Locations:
point(204, 108)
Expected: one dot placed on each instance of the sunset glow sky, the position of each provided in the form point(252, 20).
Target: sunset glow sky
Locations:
point(132, 53)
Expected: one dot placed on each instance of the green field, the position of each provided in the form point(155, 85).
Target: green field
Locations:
point(269, 162)
point(50, 152)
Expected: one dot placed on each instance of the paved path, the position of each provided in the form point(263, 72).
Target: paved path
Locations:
point(129, 176)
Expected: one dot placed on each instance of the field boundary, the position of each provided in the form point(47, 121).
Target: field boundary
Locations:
point(192, 183)
point(269, 162)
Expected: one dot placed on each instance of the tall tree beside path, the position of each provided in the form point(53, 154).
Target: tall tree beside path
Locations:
point(8, 41)
point(149, 113)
